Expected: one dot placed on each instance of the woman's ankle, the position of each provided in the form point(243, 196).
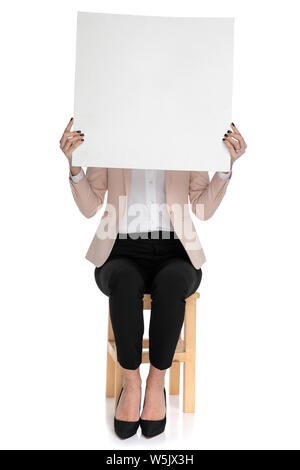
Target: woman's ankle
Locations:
point(155, 384)
point(132, 385)
point(155, 381)
point(131, 379)
point(156, 378)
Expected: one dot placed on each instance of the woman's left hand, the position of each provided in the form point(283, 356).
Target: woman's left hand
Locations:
point(235, 143)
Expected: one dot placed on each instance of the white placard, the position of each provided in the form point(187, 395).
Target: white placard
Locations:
point(153, 92)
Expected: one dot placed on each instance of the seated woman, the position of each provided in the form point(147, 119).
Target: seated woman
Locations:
point(146, 243)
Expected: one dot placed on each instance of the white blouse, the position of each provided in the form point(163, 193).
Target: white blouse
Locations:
point(146, 209)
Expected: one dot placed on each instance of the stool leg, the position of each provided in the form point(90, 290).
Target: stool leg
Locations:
point(190, 363)
point(110, 376)
point(118, 381)
point(174, 378)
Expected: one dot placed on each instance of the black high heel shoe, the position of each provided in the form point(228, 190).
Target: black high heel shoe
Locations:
point(151, 428)
point(125, 429)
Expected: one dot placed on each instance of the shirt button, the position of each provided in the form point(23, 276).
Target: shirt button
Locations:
point(150, 181)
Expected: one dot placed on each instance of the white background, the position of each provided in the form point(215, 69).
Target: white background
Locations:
point(53, 317)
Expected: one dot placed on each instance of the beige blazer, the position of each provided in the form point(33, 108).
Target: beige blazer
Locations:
point(184, 190)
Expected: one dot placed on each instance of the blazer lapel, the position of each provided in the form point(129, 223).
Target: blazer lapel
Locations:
point(167, 173)
point(127, 178)
point(167, 183)
point(170, 176)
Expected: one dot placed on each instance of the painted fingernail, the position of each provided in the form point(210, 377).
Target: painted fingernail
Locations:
point(232, 124)
point(226, 135)
point(78, 132)
point(223, 138)
point(229, 132)
point(81, 134)
point(71, 119)
point(81, 139)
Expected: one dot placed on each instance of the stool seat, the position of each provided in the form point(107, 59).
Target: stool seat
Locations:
point(185, 352)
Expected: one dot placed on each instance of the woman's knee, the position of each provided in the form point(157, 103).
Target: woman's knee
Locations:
point(178, 277)
point(124, 276)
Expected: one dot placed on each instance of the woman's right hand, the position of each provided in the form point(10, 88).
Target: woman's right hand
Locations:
point(69, 141)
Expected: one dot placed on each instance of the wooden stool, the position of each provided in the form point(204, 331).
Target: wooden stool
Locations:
point(185, 352)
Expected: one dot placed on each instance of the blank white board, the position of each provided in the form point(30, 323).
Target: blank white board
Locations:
point(153, 92)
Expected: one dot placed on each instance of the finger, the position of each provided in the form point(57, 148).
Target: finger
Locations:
point(70, 124)
point(236, 144)
point(239, 142)
point(234, 128)
point(74, 146)
point(75, 137)
point(72, 141)
point(237, 136)
point(233, 134)
point(231, 148)
point(67, 135)
point(70, 134)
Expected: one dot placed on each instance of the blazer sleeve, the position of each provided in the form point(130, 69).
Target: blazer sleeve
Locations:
point(89, 192)
point(206, 195)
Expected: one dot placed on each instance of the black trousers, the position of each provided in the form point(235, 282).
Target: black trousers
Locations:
point(157, 266)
